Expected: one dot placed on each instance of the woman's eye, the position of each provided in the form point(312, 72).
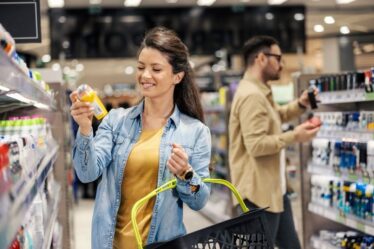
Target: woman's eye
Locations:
point(156, 69)
point(140, 68)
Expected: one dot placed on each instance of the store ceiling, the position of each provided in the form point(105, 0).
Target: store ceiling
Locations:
point(358, 16)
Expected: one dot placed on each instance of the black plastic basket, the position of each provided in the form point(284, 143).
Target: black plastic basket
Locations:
point(247, 231)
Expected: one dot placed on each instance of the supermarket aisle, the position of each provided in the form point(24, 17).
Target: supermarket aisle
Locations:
point(83, 215)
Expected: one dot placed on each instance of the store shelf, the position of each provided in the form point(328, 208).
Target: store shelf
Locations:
point(52, 221)
point(338, 97)
point(19, 201)
point(14, 81)
point(218, 131)
point(347, 176)
point(361, 136)
point(221, 170)
point(348, 220)
point(317, 243)
point(213, 109)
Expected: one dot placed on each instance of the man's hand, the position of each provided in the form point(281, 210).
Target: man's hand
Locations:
point(306, 132)
point(304, 100)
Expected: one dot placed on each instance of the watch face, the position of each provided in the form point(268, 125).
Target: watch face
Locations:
point(188, 175)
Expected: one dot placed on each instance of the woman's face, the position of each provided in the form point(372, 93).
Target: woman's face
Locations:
point(155, 74)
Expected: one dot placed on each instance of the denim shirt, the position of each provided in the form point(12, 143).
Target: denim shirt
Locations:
point(106, 155)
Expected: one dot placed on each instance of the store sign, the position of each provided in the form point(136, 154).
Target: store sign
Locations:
point(21, 19)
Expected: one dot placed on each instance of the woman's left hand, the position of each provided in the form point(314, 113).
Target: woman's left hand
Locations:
point(178, 161)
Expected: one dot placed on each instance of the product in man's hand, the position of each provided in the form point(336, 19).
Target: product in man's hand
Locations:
point(87, 94)
point(315, 121)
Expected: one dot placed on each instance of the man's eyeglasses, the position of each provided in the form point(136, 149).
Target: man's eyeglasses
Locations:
point(277, 56)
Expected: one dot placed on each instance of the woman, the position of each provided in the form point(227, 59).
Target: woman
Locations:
point(138, 149)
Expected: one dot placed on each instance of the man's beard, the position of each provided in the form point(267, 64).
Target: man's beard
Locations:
point(269, 76)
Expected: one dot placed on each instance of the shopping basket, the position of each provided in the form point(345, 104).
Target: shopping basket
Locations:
point(247, 231)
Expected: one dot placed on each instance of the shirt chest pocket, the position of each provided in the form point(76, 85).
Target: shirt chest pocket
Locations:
point(120, 144)
point(188, 149)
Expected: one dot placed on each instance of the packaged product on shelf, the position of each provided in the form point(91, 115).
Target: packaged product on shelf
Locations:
point(86, 93)
point(7, 42)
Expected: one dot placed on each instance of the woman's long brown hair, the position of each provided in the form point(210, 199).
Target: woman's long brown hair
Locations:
point(186, 93)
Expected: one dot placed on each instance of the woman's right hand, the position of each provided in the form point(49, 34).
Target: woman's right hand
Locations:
point(82, 113)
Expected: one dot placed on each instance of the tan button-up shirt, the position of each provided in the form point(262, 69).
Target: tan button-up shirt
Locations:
point(256, 140)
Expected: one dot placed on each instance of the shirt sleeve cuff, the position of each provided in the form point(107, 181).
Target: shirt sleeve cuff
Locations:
point(185, 186)
point(83, 141)
point(288, 137)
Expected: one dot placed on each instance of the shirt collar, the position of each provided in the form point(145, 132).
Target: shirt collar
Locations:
point(175, 116)
point(264, 88)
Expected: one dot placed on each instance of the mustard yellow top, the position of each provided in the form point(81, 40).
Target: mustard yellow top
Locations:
point(140, 178)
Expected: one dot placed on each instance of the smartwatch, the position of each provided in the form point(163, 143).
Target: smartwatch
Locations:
point(187, 175)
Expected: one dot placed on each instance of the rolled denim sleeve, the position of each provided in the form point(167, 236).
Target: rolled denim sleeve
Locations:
point(199, 161)
point(92, 154)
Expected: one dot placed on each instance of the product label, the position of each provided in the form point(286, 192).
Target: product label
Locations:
point(97, 110)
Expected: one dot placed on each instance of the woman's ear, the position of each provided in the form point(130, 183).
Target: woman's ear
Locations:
point(178, 77)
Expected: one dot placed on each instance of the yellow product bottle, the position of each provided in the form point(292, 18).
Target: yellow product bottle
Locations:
point(87, 94)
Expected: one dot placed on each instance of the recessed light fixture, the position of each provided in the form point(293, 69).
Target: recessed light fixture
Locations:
point(299, 16)
point(276, 2)
point(269, 16)
point(205, 2)
point(245, 1)
point(344, 30)
point(129, 70)
point(132, 3)
point(329, 20)
point(171, 1)
point(56, 3)
point(318, 28)
point(46, 58)
point(344, 1)
point(95, 2)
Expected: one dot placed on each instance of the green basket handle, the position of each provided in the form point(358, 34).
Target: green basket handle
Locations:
point(170, 185)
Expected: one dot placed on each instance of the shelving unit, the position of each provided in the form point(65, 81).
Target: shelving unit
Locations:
point(14, 82)
point(24, 97)
point(315, 216)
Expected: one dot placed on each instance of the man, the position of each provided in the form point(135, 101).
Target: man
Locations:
point(257, 143)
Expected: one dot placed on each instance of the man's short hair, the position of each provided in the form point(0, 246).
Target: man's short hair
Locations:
point(255, 45)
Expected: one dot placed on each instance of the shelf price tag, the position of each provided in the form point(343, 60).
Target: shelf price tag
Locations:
point(360, 226)
point(330, 214)
point(351, 223)
point(369, 229)
point(340, 219)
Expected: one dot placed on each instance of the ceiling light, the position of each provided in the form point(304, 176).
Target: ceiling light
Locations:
point(95, 2)
point(344, 30)
point(62, 19)
point(299, 16)
point(56, 3)
point(269, 16)
point(79, 67)
point(318, 28)
point(368, 48)
point(205, 2)
point(344, 1)
point(276, 2)
point(329, 20)
point(132, 3)
point(244, 1)
point(171, 1)
point(56, 67)
point(46, 58)
point(129, 70)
